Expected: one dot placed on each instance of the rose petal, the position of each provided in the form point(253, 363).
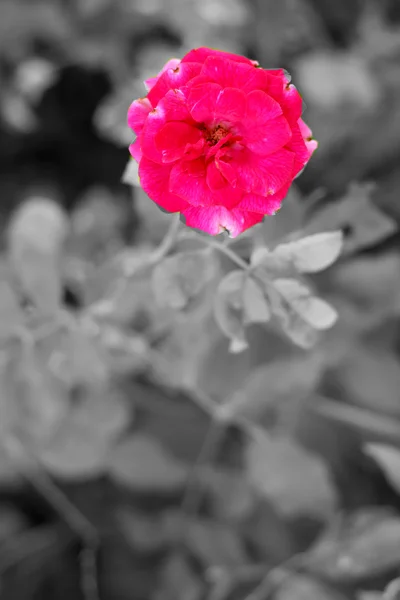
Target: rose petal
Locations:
point(202, 101)
point(137, 114)
point(171, 64)
point(269, 137)
point(188, 181)
point(173, 139)
point(259, 174)
point(306, 132)
point(154, 180)
point(136, 150)
point(173, 79)
point(292, 103)
point(199, 55)
point(175, 107)
point(265, 205)
point(155, 121)
point(261, 108)
point(231, 105)
point(298, 146)
point(228, 73)
point(214, 220)
point(215, 179)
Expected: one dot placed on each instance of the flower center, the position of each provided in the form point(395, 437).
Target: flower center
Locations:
point(215, 135)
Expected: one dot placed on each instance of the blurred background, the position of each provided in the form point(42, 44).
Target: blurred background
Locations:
point(104, 413)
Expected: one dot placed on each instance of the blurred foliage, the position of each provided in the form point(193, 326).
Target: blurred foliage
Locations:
point(139, 457)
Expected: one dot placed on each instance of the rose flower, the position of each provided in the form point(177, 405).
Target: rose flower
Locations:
point(219, 140)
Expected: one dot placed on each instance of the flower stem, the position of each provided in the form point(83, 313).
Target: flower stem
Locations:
point(223, 248)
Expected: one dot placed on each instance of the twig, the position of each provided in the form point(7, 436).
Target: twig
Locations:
point(31, 470)
point(223, 248)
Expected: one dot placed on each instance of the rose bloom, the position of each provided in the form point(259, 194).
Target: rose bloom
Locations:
point(219, 140)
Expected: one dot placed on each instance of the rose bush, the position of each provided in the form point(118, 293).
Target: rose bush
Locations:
point(219, 140)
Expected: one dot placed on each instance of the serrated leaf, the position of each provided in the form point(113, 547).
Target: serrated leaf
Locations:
point(312, 253)
point(388, 458)
point(363, 545)
point(180, 278)
point(293, 479)
point(35, 237)
point(315, 311)
point(142, 464)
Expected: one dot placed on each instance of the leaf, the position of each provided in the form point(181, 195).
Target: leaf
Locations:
point(388, 458)
point(370, 283)
point(255, 305)
point(239, 301)
point(361, 546)
point(259, 256)
point(131, 174)
point(214, 543)
point(178, 580)
point(79, 448)
point(294, 480)
point(392, 590)
point(315, 311)
point(36, 234)
point(228, 309)
point(142, 464)
point(370, 595)
point(144, 531)
point(11, 314)
point(363, 224)
point(231, 496)
point(178, 279)
point(357, 84)
point(86, 359)
point(312, 253)
point(35, 400)
point(9, 474)
point(271, 389)
point(301, 587)
point(370, 377)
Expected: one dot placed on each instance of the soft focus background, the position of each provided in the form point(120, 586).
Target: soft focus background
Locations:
point(100, 496)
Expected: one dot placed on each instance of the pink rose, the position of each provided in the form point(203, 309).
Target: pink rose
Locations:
point(219, 140)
